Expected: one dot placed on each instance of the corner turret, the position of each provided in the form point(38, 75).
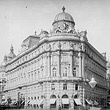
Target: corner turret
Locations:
point(11, 54)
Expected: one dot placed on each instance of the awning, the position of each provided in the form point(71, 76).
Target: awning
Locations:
point(23, 101)
point(31, 102)
point(95, 102)
point(35, 101)
point(88, 102)
point(28, 102)
point(52, 101)
point(3, 102)
point(91, 101)
point(41, 102)
point(78, 101)
point(65, 101)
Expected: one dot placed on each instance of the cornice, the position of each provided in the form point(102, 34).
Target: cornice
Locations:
point(50, 39)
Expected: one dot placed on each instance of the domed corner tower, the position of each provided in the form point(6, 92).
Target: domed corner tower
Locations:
point(63, 23)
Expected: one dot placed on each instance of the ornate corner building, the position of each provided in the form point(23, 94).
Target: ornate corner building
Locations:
point(53, 68)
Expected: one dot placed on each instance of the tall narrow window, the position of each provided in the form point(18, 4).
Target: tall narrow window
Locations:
point(35, 74)
point(31, 75)
point(74, 71)
point(41, 86)
point(38, 73)
point(65, 86)
point(76, 86)
point(54, 72)
point(65, 71)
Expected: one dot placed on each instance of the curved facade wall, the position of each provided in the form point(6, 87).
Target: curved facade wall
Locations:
point(56, 70)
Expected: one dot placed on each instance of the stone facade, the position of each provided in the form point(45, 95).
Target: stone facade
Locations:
point(2, 80)
point(56, 69)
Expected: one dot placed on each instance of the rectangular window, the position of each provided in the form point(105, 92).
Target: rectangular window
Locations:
point(28, 98)
point(34, 98)
point(52, 86)
point(64, 86)
point(76, 86)
point(31, 98)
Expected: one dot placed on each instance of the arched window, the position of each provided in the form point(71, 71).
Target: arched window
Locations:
point(74, 71)
point(65, 101)
point(65, 71)
point(52, 96)
point(54, 72)
point(65, 96)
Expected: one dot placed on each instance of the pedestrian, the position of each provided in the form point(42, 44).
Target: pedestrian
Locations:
point(59, 108)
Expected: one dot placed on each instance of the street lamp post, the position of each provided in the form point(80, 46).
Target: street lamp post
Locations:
point(92, 83)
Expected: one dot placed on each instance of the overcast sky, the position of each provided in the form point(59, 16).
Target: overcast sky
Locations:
point(21, 18)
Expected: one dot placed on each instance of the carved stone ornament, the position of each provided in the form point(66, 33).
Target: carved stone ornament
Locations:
point(43, 33)
point(49, 47)
point(83, 33)
point(71, 44)
point(59, 45)
point(64, 27)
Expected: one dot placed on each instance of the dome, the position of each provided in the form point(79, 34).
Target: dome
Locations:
point(63, 16)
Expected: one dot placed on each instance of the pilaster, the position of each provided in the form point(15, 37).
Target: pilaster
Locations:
point(59, 63)
point(80, 64)
point(49, 64)
point(71, 63)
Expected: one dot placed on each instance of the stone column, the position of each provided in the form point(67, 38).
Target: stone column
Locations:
point(83, 75)
point(80, 64)
point(59, 64)
point(72, 104)
point(49, 64)
point(71, 64)
point(45, 66)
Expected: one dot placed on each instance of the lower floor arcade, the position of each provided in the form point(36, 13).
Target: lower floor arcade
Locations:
point(64, 94)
